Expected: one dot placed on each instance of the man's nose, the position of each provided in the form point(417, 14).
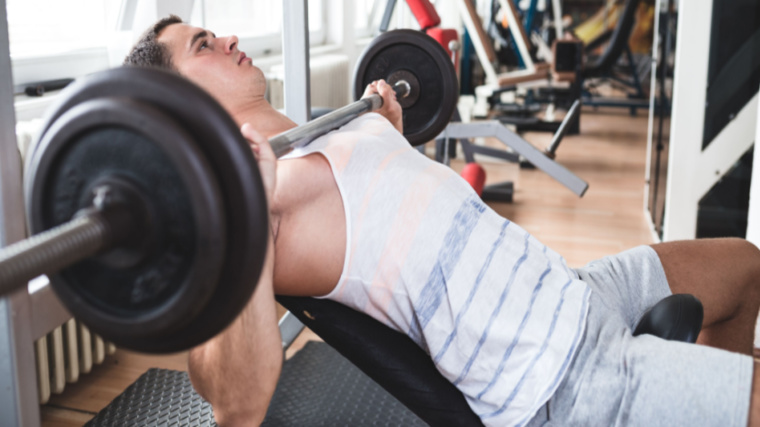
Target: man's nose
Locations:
point(230, 44)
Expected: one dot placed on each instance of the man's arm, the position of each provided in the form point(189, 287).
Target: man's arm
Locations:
point(237, 370)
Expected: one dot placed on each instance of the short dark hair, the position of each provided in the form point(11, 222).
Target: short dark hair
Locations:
point(148, 51)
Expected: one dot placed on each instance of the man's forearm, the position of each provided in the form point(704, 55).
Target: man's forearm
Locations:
point(237, 370)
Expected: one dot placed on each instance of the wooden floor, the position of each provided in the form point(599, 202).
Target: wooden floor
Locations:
point(610, 153)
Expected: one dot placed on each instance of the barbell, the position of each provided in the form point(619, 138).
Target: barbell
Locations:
point(145, 202)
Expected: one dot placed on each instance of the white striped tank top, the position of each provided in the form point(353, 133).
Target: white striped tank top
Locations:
point(499, 313)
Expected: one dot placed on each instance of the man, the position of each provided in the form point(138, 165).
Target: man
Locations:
point(360, 217)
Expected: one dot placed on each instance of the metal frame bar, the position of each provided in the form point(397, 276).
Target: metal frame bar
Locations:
point(295, 52)
point(634, 73)
point(753, 216)
point(297, 88)
point(687, 119)
point(532, 154)
point(19, 402)
point(693, 171)
point(725, 149)
point(479, 39)
point(564, 126)
point(290, 328)
point(385, 22)
point(557, 14)
point(530, 16)
point(653, 94)
point(518, 34)
point(48, 312)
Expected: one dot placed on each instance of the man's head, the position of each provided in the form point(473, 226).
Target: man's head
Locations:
point(214, 63)
point(148, 51)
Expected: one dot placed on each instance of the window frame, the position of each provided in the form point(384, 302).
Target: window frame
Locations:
point(28, 69)
point(369, 29)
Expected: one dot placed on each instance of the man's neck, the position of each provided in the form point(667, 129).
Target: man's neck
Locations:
point(263, 117)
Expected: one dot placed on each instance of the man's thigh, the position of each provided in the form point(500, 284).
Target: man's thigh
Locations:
point(618, 379)
point(627, 283)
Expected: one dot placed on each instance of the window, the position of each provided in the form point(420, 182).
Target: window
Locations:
point(53, 39)
point(44, 27)
point(258, 23)
point(368, 15)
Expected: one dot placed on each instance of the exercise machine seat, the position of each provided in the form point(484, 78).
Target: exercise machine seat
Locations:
point(618, 42)
point(424, 12)
point(401, 367)
point(444, 36)
point(390, 358)
point(677, 317)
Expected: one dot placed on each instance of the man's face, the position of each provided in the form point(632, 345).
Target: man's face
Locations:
point(214, 63)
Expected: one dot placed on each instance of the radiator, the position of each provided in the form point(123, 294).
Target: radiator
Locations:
point(330, 82)
point(64, 353)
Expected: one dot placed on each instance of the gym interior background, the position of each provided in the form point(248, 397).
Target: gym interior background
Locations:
point(664, 135)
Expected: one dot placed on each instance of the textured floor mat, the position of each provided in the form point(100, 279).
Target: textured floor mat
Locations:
point(318, 387)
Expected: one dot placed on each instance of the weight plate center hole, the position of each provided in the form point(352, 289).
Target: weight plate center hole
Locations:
point(414, 87)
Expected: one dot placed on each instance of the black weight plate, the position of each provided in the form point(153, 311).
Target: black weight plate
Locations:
point(136, 149)
point(231, 161)
point(398, 52)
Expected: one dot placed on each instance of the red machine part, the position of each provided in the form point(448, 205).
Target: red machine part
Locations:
point(475, 175)
point(425, 13)
point(444, 36)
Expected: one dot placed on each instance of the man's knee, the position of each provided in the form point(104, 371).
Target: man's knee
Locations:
point(744, 245)
point(744, 256)
point(748, 256)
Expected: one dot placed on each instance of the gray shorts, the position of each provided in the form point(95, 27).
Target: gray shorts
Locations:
point(618, 379)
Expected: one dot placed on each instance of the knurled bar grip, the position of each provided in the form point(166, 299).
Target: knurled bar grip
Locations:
point(304, 134)
point(51, 250)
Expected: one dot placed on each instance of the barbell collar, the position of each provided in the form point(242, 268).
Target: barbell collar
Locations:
point(402, 88)
point(302, 135)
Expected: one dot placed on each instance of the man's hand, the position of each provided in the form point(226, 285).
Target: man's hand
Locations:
point(391, 109)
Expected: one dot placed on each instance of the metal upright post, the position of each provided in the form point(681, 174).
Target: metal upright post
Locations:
point(19, 403)
point(387, 14)
point(687, 119)
point(753, 216)
point(295, 52)
point(559, 29)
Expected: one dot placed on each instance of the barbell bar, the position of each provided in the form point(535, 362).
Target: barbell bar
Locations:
point(304, 134)
point(94, 230)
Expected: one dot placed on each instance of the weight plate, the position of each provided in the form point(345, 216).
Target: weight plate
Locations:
point(144, 157)
point(242, 197)
point(434, 83)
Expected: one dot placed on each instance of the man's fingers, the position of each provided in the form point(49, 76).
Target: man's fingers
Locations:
point(265, 157)
point(385, 89)
point(370, 89)
point(259, 143)
point(251, 134)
